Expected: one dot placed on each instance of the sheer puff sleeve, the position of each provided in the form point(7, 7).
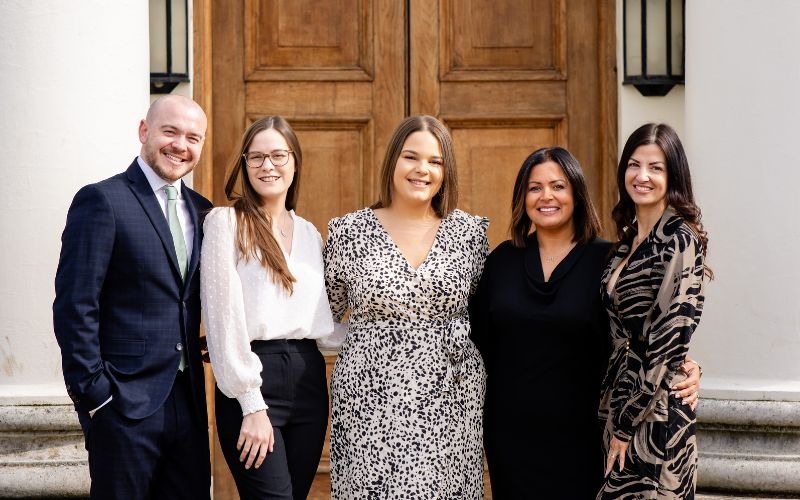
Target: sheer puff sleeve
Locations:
point(236, 368)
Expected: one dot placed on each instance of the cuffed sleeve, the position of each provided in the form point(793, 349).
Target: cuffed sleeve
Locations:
point(236, 368)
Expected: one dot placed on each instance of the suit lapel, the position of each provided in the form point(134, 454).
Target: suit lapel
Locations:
point(147, 198)
point(194, 259)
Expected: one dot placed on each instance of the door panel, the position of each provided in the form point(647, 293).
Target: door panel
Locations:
point(502, 40)
point(337, 162)
point(513, 76)
point(506, 76)
point(309, 40)
point(484, 150)
point(335, 70)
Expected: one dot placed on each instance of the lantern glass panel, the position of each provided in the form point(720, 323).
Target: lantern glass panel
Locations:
point(677, 37)
point(656, 37)
point(179, 30)
point(158, 36)
point(633, 35)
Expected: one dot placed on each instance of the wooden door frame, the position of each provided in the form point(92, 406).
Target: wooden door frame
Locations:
point(202, 88)
point(607, 65)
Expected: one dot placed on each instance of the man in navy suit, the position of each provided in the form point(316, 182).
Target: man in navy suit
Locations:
point(127, 316)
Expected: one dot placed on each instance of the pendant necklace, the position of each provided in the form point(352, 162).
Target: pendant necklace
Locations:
point(552, 258)
point(282, 230)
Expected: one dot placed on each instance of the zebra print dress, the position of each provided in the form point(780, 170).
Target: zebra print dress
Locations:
point(654, 309)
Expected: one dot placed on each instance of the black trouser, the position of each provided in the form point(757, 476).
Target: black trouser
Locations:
point(296, 390)
point(163, 456)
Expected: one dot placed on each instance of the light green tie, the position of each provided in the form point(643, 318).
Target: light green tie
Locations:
point(178, 241)
point(175, 228)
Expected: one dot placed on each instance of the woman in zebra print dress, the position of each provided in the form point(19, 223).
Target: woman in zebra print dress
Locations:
point(653, 292)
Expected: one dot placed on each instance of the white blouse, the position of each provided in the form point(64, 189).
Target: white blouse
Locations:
point(241, 303)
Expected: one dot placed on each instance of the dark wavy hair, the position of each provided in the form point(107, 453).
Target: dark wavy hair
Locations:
point(584, 215)
point(446, 199)
point(680, 195)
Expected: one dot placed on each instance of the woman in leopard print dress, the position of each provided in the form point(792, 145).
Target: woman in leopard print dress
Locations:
point(653, 291)
point(408, 386)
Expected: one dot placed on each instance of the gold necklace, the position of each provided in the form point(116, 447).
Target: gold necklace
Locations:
point(282, 230)
point(552, 258)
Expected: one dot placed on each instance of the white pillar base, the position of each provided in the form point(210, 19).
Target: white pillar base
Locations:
point(749, 446)
point(42, 452)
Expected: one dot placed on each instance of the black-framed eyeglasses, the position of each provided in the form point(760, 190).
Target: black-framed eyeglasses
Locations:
point(255, 159)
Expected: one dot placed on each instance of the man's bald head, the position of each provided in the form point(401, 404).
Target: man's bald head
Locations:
point(172, 136)
point(171, 100)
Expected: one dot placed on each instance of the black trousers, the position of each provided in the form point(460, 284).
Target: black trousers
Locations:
point(163, 456)
point(296, 390)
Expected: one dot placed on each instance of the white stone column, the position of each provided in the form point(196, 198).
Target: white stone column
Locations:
point(74, 83)
point(742, 105)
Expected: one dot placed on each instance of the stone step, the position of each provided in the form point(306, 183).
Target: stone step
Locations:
point(733, 496)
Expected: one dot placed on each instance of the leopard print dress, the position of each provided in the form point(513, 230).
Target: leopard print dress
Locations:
point(408, 386)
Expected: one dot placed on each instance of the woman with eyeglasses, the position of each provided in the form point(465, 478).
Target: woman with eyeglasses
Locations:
point(407, 389)
point(264, 308)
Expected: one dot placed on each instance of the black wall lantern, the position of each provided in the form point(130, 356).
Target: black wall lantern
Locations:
point(653, 44)
point(169, 45)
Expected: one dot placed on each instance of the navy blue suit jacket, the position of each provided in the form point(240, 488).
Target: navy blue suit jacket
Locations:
point(122, 315)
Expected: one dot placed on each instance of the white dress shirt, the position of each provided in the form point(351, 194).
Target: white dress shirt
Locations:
point(158, 184)
point(242, 303)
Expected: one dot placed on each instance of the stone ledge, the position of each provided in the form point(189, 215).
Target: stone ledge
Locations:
point(750, 413)
point(745, 447)
point(728, 496)
point(749, 446)
point(758, 476)
point(44, 480)
point(38, 418)
point(42, 453)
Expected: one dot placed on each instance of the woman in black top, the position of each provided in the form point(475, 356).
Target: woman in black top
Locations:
point(541, 327)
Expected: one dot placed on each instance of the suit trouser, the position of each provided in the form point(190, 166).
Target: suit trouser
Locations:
point(165, 455)
point(295, 388)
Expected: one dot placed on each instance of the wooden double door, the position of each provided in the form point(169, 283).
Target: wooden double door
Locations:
point(506, 77)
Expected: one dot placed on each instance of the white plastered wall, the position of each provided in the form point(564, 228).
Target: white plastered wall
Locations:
point(737, 119)
point(74, 81)
point(742, 102)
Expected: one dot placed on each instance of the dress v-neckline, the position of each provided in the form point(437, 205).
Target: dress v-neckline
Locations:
point(394, 245)
point(561, 268)
point(534, 272)
point(623, 265)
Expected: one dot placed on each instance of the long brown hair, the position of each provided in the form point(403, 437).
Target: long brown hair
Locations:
point(446, 199)
point(680, 195)
point(584, 215)
point(254, 239)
